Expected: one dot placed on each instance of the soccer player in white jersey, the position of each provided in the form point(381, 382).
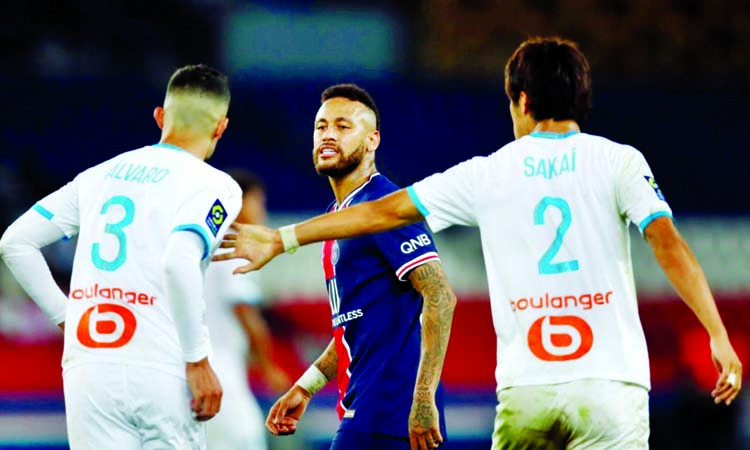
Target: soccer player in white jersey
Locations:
point(135, 362)
point(553, 208)
point(238, 330)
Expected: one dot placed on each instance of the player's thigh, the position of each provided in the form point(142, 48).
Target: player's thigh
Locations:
point(353, 440)
point(608, 415)
point(95, 409)
point(528, 418)
point(162, 410)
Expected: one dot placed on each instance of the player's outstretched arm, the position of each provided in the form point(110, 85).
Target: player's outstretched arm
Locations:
point(437, 315)
point(686, 276)
point(260, 244)
point(288, 410)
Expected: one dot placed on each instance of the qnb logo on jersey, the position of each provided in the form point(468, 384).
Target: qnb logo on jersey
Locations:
point(415, 243)
point(560, 338)
point(106, 325)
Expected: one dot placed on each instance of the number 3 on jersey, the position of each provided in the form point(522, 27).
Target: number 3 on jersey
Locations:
point(546, 266)
point(115, 229)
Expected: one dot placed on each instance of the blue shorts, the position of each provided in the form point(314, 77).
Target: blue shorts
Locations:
point(354, 440)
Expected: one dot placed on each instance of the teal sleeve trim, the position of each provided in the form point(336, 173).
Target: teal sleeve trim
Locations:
point(418, 203)
point(644, 223)
point(43, 211)
point(199, 231)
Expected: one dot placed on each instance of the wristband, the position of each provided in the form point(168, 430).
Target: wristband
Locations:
point(312, 380)
point(289, 238)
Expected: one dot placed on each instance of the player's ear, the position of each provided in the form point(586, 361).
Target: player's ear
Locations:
point(221, 127)
point(159, 117)
point(373, 140)
point(523, 102)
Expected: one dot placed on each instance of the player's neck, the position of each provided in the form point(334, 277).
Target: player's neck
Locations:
point(197, 147)
point(554, 126)
point(344, 186)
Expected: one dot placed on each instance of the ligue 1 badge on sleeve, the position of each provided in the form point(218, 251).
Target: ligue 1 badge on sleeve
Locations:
point(654, 186)
point(216, 217)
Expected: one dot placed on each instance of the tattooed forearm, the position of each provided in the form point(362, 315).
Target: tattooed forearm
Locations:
point(328, 362)
point(437, 315)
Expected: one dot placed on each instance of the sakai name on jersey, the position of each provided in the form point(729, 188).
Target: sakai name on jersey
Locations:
point(549, 167)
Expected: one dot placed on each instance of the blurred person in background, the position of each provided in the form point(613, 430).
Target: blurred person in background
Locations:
point(135, 363)
point(238, 330)
point(553, 208)
point(391, 305)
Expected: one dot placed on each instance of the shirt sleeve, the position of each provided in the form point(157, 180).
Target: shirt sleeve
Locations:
point(61, 208)
point(449, 198)
point(407, 248)
point(208, 211)
point(183, 280)
point(20, 249)
point(639, 198)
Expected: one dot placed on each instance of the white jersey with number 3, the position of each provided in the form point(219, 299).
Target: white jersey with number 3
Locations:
point(553, 212)
point(123, 211)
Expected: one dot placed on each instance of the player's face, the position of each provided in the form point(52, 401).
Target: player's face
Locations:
point(341, 138)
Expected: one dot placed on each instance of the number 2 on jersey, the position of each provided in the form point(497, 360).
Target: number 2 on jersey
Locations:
point(116, 230)
point(546, 266)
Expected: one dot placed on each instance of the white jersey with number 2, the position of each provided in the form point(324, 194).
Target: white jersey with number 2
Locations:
point(123, 211)
point(553, 212)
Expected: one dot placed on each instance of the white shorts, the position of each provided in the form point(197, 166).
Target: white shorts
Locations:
point(240, 425)
point(109, 406)
point(586, 414)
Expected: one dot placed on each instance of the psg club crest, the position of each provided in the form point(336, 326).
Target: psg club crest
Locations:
point(335, 253)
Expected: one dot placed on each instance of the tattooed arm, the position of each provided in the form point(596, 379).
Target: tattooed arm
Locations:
point(437, 314)
point(288, 410)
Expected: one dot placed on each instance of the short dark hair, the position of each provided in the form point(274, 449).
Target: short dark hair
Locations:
point(248, 180)
point(200, 79)
point(555, 76)
point(354, 93)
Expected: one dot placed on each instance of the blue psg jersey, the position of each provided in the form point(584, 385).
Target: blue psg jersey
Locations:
point(376, 319)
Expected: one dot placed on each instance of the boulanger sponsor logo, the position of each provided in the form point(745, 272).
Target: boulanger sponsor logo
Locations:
point(216, 216)
point(584, 301)
point(560, 338)
point(560, 334)
point(106, 325)
point(95, 291)
point(415, 243)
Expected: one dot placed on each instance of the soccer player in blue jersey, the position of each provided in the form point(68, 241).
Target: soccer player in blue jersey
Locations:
point(391, 305)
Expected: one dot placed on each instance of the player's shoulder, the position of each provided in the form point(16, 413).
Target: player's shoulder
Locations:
point(219, 180)
point(377, 186)
point(106, 165)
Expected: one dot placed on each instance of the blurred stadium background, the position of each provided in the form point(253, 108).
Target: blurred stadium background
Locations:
point(79, 80)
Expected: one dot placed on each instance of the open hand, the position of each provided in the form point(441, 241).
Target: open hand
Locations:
point(257, 244)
